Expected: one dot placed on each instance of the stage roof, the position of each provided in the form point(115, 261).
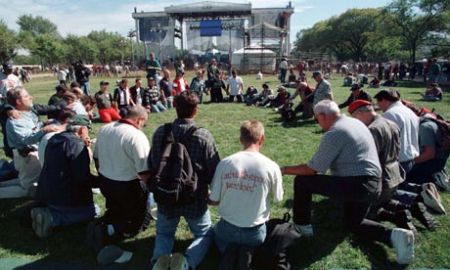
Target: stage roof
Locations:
point(210, 9)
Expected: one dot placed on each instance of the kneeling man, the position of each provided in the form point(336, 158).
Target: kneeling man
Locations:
point(348, 150)
point(242, 186)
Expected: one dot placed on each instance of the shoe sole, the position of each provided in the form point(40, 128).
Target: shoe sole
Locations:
point(163, 263)
point(410, 246)
point(177, 262)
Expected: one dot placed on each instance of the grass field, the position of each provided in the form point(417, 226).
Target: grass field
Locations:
point(287, 144)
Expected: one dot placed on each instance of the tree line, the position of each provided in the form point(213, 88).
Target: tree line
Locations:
point(396, 31)
point(40, 37)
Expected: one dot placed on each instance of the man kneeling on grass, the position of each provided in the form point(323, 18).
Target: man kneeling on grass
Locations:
point(65, 181)
point(348, 150)
point(241, 187)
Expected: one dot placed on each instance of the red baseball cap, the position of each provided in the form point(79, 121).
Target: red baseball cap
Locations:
point(358, 104)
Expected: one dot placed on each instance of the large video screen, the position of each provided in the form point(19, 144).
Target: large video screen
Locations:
point(153, 29)
point(211, 28)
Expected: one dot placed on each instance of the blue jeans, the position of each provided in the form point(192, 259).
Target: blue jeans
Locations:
point(85, 87)
point(226, 233)
point(169, 102)
point(157, 107)
point(165, 236)
point(70, 215)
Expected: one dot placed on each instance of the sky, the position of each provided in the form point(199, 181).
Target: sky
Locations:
point(82, 16)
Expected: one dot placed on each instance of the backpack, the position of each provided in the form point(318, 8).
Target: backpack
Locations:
point(281, 235)
point(444, 128)
point(175, 182)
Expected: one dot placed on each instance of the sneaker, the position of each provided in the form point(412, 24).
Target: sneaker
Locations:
point(419, 211)
point(178, 262)
point(403, 243)
point(305, 230)
point(42, 221)
point(113, 254)
point(431, 198)
point(163, 263)
point(403, 219)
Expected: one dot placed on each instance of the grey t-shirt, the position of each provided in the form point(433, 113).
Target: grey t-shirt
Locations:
point(347, 149)
point(430, 135)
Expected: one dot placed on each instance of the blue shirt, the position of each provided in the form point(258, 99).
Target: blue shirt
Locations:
point(24, 131)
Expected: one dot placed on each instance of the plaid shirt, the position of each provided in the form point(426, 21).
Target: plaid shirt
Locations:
point(204, 156)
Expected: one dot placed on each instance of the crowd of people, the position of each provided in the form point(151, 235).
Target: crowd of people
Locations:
point(385, 167)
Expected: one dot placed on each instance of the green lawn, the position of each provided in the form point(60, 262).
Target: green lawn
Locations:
point(286, 144)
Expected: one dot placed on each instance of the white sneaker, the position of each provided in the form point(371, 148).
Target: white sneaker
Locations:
point(403, 243)
point(163, 263)
point(431, 198)
point(178, 262)
point(305, 230)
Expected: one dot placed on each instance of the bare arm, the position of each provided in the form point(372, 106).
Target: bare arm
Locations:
point(301, 169)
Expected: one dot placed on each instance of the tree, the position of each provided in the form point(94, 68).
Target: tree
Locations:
point(112, 47)
point(80, 48)
point(8, 43)
point(37, 26)
point(346, 36)
point(415, 19)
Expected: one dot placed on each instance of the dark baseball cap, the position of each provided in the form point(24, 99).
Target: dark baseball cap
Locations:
point(104, 83)
point(316, 73)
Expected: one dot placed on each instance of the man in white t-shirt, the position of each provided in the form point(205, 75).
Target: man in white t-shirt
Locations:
point(235, 87)
point(120, 155)
point(242, 185)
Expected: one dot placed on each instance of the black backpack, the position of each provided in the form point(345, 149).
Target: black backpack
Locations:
point(281, 235)
point(175, 182)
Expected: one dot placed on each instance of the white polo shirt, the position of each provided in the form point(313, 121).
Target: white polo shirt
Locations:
point(122, 151)
point(408, 123)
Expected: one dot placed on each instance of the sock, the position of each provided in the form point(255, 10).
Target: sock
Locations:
point(110, 229)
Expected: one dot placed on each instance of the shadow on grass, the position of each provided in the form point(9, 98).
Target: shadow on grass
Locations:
point(65, 248)
point(410, 84)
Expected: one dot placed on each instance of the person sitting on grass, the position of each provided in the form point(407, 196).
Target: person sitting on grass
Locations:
point(251, 95)
point(306, 99)
point(433, 93)
point(198, 85)
point(65, 182)
point(151, 97)
point(348, 150)
point(349, 80)
point(104, 100)
point(374, 83)
point(357, 93)
point(265, 97)
point(229, 190)
point(23, 134)
point(280, 100)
